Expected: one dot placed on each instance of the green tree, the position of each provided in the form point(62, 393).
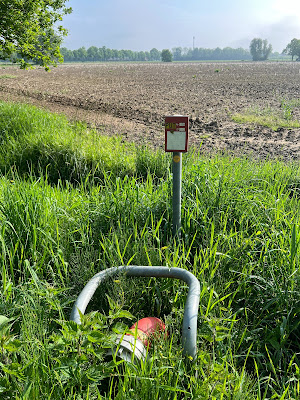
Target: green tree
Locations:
point(67, 54)
point(44, 41)
point(166, 56)
point(154, 54)
point(27, 27)
point(92, 53)
point(177, 53)
point(260, 49)
point(293, 49)
point(82, 54)
point(116, 55)
point(141, 56)
point(217, 54)
point(107, 53)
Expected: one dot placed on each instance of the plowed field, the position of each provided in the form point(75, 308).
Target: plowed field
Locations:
point(132, 99)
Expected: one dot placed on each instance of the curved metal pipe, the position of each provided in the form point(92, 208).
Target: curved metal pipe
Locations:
point(189, 327)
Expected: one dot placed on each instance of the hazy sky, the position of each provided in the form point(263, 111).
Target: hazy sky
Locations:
point(144, 24)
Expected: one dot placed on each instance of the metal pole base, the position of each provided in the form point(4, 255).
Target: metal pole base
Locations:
point(177, 177)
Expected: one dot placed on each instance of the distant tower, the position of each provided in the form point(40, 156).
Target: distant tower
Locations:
point(193, 42)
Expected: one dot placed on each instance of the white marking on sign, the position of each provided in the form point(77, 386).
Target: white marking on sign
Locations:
point(176, 140)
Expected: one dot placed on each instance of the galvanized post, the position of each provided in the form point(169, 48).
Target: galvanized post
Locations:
point(176, 141)
point(177, 178)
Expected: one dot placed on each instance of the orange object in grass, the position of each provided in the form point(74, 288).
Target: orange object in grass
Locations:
point(146, 328)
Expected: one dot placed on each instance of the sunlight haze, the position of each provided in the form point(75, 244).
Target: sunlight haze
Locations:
point(142, 25)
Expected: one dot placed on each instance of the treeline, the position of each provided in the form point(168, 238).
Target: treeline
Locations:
point(94, 53)
point(198, 54)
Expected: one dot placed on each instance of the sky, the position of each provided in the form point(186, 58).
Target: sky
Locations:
point(145, 24)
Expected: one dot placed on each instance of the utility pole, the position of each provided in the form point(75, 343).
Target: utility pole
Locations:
point(193, 42)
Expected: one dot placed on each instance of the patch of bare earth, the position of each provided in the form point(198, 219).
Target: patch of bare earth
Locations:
point(132, 99)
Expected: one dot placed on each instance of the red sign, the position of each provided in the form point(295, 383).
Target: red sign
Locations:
point(176, 133)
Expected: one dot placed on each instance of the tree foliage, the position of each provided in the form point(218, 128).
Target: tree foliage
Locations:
point(94, 53)
point(293, 48)
point(260, 49)
point(179, 54)
point(195, 54)
point(154, 54)
point(166, 56)
point(28, 29)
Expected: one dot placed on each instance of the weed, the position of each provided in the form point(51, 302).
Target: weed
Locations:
point(7, 76)
point(287, 110)
point(267, 117)
point(271, 117)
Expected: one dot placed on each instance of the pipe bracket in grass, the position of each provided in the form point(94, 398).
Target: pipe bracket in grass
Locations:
point(189, 327)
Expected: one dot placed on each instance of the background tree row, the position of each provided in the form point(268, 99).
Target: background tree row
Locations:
point(94, 53)
point(259, 50)
point(196, 54)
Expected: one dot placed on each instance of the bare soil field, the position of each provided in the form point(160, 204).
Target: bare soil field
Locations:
point(131, 100)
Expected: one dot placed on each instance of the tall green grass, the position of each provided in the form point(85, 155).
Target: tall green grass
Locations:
point(240, 237)
point(34, 142)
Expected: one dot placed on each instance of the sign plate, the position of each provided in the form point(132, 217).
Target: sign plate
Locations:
point(176, 133)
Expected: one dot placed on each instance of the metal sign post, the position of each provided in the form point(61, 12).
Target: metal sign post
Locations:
point(176, 141)
point(177, 178)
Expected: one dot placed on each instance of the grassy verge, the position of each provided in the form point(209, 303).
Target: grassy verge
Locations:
point(271, 117)
point(34, 141)
point(240, 238)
